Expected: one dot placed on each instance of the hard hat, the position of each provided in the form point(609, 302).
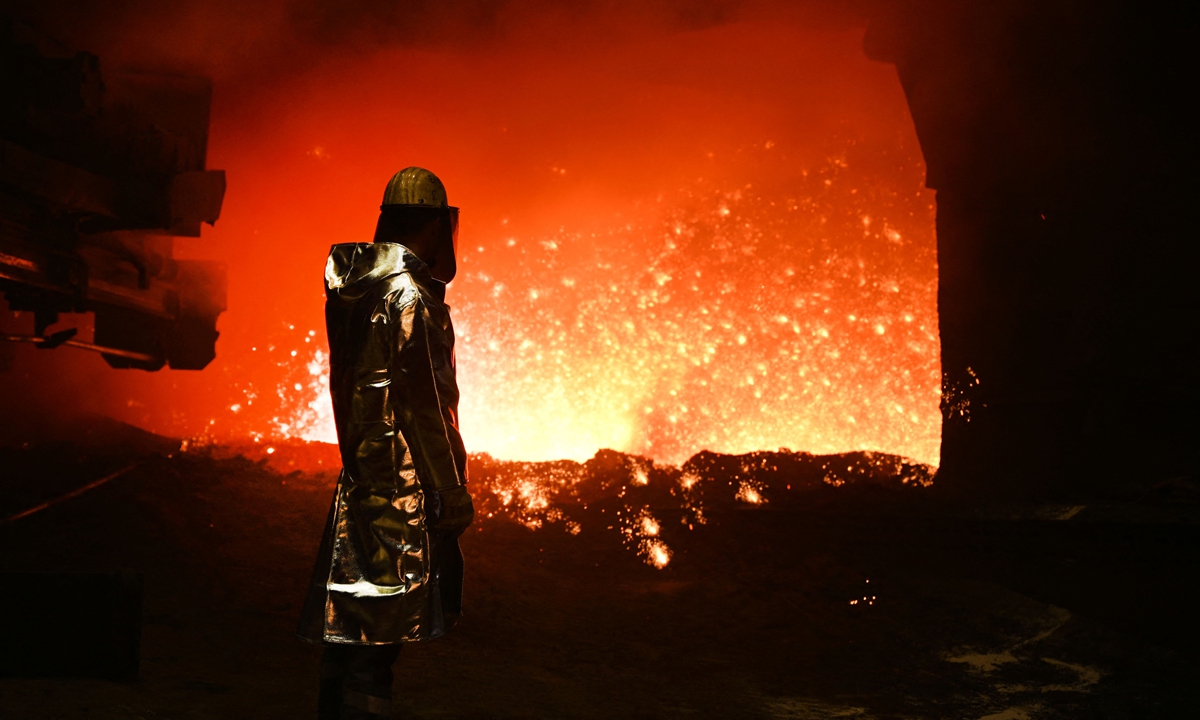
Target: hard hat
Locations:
point(415, 186)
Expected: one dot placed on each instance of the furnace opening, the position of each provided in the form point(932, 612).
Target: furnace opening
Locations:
point(713, 238)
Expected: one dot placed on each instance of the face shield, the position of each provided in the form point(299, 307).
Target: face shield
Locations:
point(432, 228)
point(446, 265)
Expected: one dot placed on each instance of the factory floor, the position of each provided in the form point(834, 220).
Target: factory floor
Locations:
point(760, 614)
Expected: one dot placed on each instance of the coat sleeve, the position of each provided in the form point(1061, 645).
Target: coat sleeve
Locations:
point(425, 396)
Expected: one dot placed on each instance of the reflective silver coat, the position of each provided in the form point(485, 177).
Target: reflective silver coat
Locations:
point(386, 572)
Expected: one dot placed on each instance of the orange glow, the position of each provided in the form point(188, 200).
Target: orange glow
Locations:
point(701, 239)
point(640, 531)
point(783, 297)
point(649, 525)
point(747, 492)
point(659, 554)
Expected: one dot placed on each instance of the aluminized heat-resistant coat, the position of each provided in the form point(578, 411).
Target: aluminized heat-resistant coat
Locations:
point(389, 568)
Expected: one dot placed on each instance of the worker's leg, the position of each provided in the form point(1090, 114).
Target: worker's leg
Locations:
point(356, 682)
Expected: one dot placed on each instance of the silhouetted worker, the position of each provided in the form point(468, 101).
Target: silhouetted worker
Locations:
point(389, 570)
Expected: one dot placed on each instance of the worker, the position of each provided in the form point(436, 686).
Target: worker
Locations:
point(389, 570)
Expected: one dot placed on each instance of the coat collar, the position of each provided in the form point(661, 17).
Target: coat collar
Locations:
point(353, 268)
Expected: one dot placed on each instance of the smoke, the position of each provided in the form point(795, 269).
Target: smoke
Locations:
point(245, 44)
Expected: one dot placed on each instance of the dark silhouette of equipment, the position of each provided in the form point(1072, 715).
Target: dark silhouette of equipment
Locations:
point(98, 172)
point(1061, 140)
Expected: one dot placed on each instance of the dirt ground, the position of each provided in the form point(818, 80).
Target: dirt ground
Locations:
point(846, 603)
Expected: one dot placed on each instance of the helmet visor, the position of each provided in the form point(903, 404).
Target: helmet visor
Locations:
point(453, 223)
point(447, 260)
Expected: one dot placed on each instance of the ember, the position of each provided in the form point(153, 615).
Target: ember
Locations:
point(627, 495)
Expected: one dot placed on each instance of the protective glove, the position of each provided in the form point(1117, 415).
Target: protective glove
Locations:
point(455, 511)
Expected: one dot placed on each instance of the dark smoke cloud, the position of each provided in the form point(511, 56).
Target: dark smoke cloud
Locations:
point(241, 45)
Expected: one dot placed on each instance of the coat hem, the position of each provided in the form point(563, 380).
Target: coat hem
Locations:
point(334, 641)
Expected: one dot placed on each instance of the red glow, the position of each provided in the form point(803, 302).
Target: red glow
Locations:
point(705, 239)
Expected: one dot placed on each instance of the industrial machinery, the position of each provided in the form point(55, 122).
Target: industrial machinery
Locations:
point(98, 173)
